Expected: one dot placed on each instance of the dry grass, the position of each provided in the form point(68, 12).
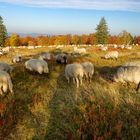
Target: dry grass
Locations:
point(46, 107)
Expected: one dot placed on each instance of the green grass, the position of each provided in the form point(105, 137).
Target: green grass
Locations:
point(47, 107)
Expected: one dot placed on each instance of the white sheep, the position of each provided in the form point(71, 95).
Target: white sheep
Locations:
point(74, 71)
point(128, 47)
point(133, 63)
point(88, 70)
point(115, 46)
point(79, 50)
point(104, 48)
point(45, 56)
point(17, 59)
point(6, 49)
point(37, 65)
point(5, 82)
point(31, 47)
point(121, 46)
point(6, 67)
point(128, 74)
point(112, 54)
point(1, 52)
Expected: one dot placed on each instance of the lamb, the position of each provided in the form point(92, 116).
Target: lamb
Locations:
point(74, 71)
point(5, 82)
point(112, 54)
point(6, 67)
point(61, 58)
point(128, 74)
point(134, 63)
point(17, 59)
point(79, 50)
point(37, 65)
point(88, 70)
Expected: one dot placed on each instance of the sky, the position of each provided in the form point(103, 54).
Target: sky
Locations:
point(70, 16)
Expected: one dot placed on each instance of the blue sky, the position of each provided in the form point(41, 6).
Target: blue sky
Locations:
point(70, 16)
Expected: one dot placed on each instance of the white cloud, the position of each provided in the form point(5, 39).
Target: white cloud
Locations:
point(123, 5)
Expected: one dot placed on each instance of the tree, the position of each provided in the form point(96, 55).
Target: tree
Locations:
point(85, 39)
point(125, 38)
point(137, 40)
point(102, 32)
point(3, 33)
point(91, 39)
point(14, 40)
point(113, 39)
point(76, 40)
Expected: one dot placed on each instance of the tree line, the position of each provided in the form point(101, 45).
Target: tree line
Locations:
point(101, 36)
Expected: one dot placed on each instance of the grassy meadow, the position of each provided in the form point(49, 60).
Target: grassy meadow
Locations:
point(46, 107)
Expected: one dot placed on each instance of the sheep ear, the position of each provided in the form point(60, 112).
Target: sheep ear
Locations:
point(138, 86)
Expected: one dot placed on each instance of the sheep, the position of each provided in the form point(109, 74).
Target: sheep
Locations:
point(61, 58)
point(74, 71)
point(6, 67)
point(134, 63)
point(79, 50)
point(37, 65)
point(17, 59)
point(112, 54)
point(115, 46)
point(45, 56)
point(88, 70)
point(128, 47)
point(31, 47)
point(5, 82)
point(6, 50)
point(104, 48)
point(121, 46)
point(1, 52)
point(128, 74)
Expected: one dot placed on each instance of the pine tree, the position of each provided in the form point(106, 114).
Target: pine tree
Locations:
point(102, 32)
point(3, 33)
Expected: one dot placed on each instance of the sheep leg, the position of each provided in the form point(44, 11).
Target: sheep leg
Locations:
point(86, 77)
point(90, 78)
point(68, 79)
point(80, 79)
point(10, 86)
point(5, 87)
point(77, 82)
point(138, 86)
point(1, 90)
point(73, 80)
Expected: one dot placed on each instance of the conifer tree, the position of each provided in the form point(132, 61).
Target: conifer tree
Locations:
point(3, 33)
point(102, 32)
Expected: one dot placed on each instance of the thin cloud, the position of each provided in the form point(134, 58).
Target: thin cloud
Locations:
point(118, 5)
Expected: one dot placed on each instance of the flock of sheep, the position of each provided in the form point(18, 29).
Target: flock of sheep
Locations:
point(77, 72)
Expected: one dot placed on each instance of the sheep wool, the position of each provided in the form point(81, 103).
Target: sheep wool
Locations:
point(5, 82)
point(112, 54)
point(74, 71)
point(88, 70)
point(128, 74)
point(37, 65)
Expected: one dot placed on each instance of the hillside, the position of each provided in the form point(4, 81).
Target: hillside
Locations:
point(47, 107)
